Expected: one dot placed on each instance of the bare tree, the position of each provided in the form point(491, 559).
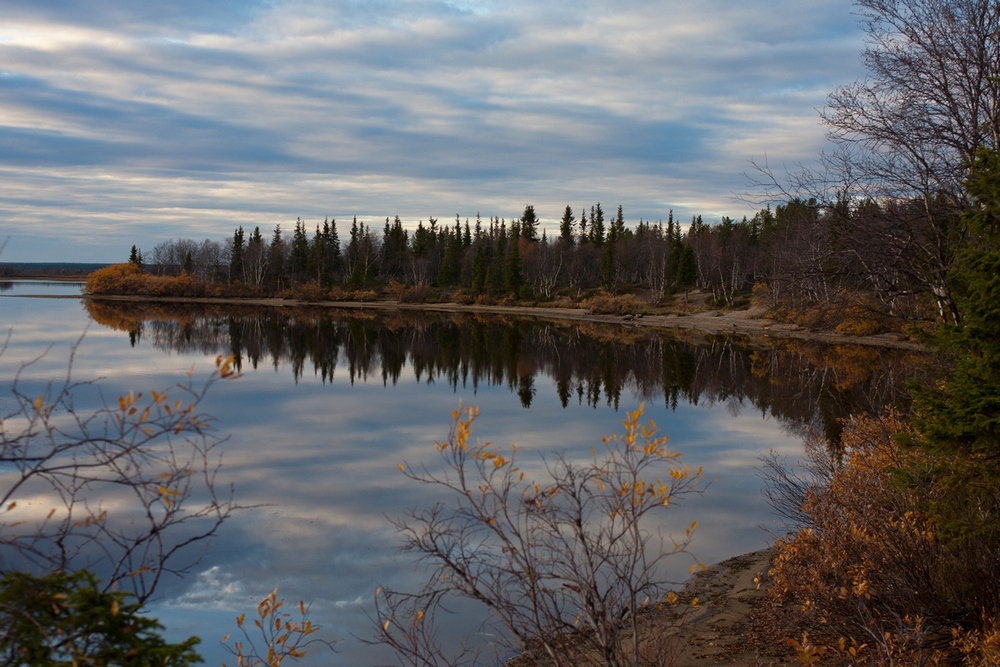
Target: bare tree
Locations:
point(124, 489)
point(565, 566)
point(905, 135)
point(932, 97)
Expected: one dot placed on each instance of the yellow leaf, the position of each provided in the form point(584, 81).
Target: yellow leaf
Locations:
point(240, 619)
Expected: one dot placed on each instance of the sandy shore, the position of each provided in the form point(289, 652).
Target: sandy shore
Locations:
point(733, 622)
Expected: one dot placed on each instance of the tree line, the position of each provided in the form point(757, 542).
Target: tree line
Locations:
point(805, 253)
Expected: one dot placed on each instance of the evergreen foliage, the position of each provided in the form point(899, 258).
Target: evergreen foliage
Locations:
point(62, 619)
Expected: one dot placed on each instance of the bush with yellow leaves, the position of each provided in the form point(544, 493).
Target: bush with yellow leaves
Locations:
point(564, 565)
point(278, 635)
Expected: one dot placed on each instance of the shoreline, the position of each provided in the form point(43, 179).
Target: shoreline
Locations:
point(746, 322)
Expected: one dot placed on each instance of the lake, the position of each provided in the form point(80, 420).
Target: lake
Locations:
point(332, 401)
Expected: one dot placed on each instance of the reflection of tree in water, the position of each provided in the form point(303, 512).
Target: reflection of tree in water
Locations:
point(806, 386)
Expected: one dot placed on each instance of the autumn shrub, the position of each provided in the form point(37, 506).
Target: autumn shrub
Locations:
point(310, 291)
point(567, 564)
point(860, 318)
point(395, 289)
point(278, 634)
point(185, 285)
point(128, 279)
point(608, 304)
point(421, 293)
point(122, 278)
point(337, 293)
point(462, 297)
point(364, 295)
point(867, 561)
point(846, 311)
point(763, 296)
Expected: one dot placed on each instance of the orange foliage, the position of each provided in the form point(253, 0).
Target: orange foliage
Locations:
point(115, 279)
point(868, 563)
point(128, 279)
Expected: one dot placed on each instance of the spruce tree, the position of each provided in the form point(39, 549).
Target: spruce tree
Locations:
point(529, 225)
point(276, 264)
point(478, 285)
point(687, 269)
point(512, 280)
point(135, 258)
point(597, 225)
point(566, 225)
point(236, 257)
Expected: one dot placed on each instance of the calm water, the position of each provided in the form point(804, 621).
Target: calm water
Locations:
point(332, 401)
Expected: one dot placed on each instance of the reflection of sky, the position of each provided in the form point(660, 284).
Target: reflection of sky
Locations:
point(320, 460)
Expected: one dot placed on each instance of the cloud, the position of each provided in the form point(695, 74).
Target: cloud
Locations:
point(134, 122)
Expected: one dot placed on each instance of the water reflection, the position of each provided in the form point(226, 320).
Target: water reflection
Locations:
point(339, 398)
point(803, 385)
point(36, 287)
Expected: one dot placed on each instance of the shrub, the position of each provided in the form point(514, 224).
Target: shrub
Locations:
point(607, 304)
point(122, 278)
point(415, 294)
point(565, 564)
point(309, 291)
point(361, 295)
point(867, 561)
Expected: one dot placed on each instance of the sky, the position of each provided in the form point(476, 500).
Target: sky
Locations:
point(136, 121)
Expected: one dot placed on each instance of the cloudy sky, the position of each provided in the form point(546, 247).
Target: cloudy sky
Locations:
point(133, 121)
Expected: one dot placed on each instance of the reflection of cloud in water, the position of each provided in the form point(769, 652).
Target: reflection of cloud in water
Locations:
point(214, 589)
point(318, 456)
